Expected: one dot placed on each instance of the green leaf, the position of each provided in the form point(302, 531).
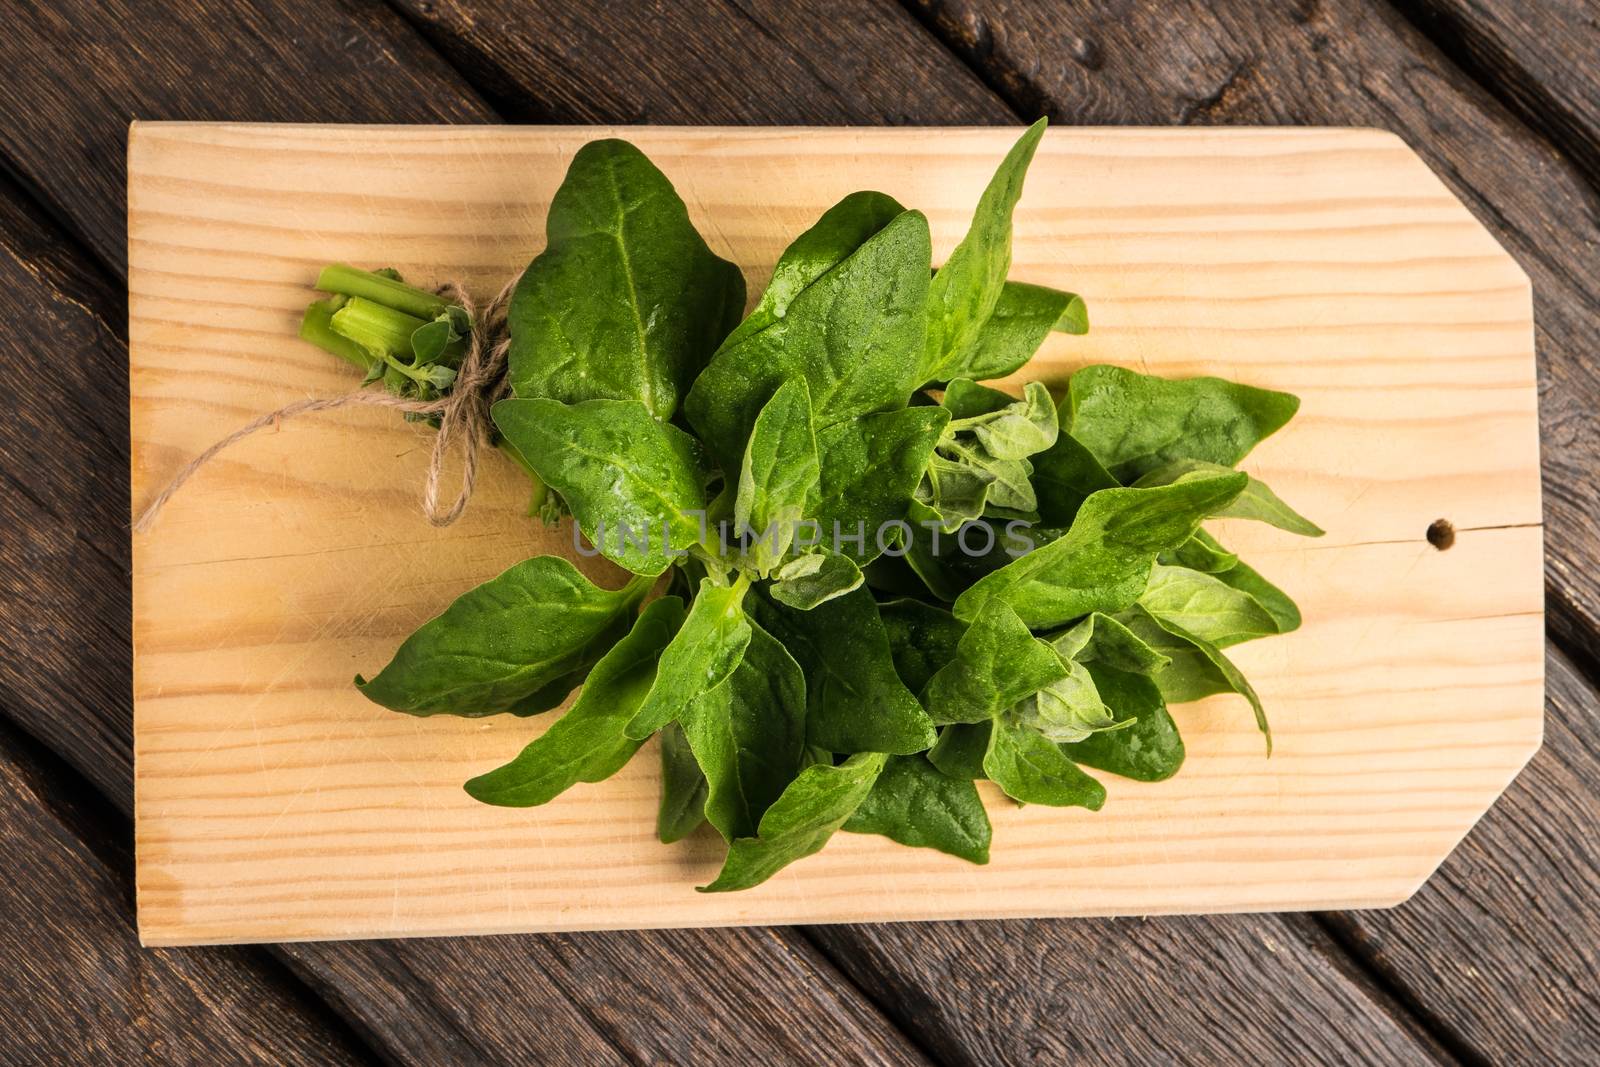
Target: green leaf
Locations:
point(779, 474)
point(500, 644)
point(1134, 423)
point(997, 665)
point(636, 485)
point(1064, 476)
point(1022, 318)
point(1205, 606)
point(1277, 603)
point(966, 289)
point(683, 787)
point(853, 336)
point(702, 655)
point(954, 492)
point(1150, 749)
point(1068, 709)
point(1010, 484)
point(1103, 562)
point(841, 230)
point(1101, 638)
point(855, 702)
point(587, 744)
point(748, 736)
point(1030, 768)
point(912, 802)
point(870, 469)
point(1257, 502)
point(626, 302)
point(1202, 552)
point(1198, 668)
point(799, 822)
point(815, 578)
point(961, 749)
point(1015, 430)
point(922, 639)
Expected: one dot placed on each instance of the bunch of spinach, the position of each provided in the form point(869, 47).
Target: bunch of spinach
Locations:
point(1010, 591)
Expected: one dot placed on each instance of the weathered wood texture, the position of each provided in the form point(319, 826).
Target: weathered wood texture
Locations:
point(1257, 62)
point(78, 73)
point(1047, 992)
point(254, 600)
point(718, 62)
point(1540, 58)
point(79, 988)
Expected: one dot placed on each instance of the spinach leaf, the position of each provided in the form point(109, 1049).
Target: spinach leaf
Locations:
point(683, 788)
point(855, 702)
point(966, 289)
point(841, 230)
point(1022, 318)
point(636, 485)
point(997, 665)
point(626, 302)
point(503, 642)
point(870, 468)
point(1134, 423)
point(703, 654)
point(852, 335)
point(1064, 476)
point(1198, 668)
point(1030, 768)
point(1018, 429)
point(1283, 610)
point(815, 578)
point(1150, 749)
point(587, 743)
point(922, 639)
point(1103, 562)
point(1256, 502)
point(1101, 638)
point(799, 822)
point(912, 802)
point(748, 735)
point(1205, 606)
point(1068, 709)
point(1202, 552)
point(961, 749)
point(779, 474)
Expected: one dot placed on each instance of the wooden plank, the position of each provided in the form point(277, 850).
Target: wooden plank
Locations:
point(1502, 943)
point(709, 62)
point(1538, 58)
point(1261, 62)
point(252, 606)
point(65, 679)
point(680, 996)
point(260, 59)
point(79, 988)
point(1228, 989)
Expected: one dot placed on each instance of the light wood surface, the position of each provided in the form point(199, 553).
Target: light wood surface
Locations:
point(275, 803)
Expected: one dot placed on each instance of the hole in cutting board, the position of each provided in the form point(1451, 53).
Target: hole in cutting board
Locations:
point(1441, 534)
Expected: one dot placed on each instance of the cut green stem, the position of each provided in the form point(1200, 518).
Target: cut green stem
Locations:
point(316, 326)
point(391, 293)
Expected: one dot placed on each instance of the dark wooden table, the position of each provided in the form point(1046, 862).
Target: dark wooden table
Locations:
point(1495, 960)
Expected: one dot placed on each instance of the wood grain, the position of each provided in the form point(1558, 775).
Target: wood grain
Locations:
point(712, 62)
point(274, 804)
point(79, 989)
point(340, 61)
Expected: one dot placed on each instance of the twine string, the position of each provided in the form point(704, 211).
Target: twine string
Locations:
point(463, 414)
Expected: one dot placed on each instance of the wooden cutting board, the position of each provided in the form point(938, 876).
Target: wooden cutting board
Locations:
point(275, 803)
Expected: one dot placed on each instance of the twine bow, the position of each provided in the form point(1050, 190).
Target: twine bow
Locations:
point(463, 414)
